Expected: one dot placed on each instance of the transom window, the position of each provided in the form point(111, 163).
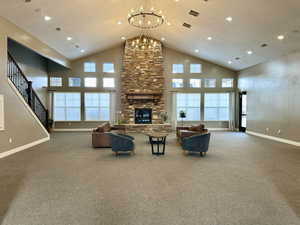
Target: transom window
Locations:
point(190, 104)
point(195, 68)
point(90, 82)
point(67, 106)
point(227, 83)
point(108, 68)
point(177, 68)
point(195, 83)
point(177, 83)
point(108, 82)
point(89, 67)
point(210, 83)
point(74, 82)
point(97, 106)
point(216, 106)
point(56, 81)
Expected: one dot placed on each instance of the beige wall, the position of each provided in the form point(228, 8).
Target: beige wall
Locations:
point(20, 125)
point(273, 97)
point(115, 55)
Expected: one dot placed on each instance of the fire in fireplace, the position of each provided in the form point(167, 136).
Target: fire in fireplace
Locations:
point(143, 116)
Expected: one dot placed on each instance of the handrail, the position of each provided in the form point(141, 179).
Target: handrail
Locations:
point(24, 86)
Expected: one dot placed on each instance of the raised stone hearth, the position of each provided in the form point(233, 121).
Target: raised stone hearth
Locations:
point(142, 82)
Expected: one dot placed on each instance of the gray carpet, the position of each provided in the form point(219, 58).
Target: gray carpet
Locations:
point(243, 180)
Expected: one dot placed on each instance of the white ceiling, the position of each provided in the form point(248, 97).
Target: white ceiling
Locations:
point(93, 26)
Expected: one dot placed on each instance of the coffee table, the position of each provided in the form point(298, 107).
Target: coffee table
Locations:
point(158, 138)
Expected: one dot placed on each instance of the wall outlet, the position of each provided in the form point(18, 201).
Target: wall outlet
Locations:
point(10, 140)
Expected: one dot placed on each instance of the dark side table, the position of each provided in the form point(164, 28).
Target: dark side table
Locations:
point(157, 138)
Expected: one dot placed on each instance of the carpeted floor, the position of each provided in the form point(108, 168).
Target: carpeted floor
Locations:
point(243, 180)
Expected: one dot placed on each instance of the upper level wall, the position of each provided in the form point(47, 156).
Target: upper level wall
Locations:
point(273, 91)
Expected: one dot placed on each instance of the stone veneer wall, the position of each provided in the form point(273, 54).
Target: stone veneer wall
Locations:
point(142, 73)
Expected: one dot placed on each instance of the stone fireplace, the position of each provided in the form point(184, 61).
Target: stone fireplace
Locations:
point(142, 82)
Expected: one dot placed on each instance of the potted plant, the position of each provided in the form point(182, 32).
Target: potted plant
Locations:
point(182, 115)
point(164, 117)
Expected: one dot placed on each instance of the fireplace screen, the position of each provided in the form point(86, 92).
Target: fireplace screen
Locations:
point(143, 116)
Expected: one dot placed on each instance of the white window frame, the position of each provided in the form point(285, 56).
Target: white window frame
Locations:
point(200, 82)
point(218, 107)
point(97, 107)
point(66, 107)
point(175, 68)
point(85, 82)
point(89, 67)
point(174, 79)
point(186, 107)
point(106, 78)
point(108, 63)
point(227, 79)
point(53, 79)
point(194, 66)
point(69, 81)
point(206, 79)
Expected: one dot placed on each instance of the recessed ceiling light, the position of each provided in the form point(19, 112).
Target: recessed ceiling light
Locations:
point(123, 38)
point(69, 38)
point(249, 52)
point(82, 50)
point(163, 39)
point(280, 37)
point(119, 22)
point(229, 18)
point(47, 18)
point(209, 38)
point(197, 50)
point(229, 62)
point(168, 23)
point(177, 0)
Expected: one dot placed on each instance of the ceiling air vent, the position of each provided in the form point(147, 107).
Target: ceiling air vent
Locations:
point(187, 25)
point(194, 13)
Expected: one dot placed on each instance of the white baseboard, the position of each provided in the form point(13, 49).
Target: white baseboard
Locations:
point(73, 130)
point(24, 147)
point(220, 129)
point(282, 140)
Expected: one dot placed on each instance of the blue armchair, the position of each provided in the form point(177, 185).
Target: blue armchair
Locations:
point(197, 143)
point(121, 143)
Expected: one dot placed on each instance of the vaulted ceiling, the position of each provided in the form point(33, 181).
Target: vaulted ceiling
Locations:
point(93, 26)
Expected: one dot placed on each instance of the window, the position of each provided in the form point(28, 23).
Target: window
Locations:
point(177, 83)
point(216, 107)
point(227, 83)
point(89, 67)
point(90, 82)
point(74, 82)
point(108, 68)
point(55, 81)
point(210, 83)
point(195, 68)
point(195, 83)
point(109, 82)
point(97, 106)
point(190, 104)
point(177, 68)
point(67, 106)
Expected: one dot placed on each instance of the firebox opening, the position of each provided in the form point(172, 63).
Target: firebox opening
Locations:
point(143, 116)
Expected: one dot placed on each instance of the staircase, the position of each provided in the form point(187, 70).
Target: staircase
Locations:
point(24, 87)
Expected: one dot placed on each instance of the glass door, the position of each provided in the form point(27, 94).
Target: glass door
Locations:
point(243, 111)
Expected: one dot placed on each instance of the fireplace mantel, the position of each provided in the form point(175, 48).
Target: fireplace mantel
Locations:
point(143, 97)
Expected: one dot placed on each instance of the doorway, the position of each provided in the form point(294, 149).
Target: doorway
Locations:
point(243, 111)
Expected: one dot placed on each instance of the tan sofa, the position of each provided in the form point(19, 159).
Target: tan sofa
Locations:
point(188, 131)
point(100, 135)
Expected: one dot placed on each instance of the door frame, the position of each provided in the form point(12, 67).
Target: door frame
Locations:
point(241, 129)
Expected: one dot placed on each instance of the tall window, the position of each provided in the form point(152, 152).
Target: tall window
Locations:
point(108, 82)
point(195, 68)
point(108, 68)
point(90, 82)
point(177, 83)
point(195, 83)
point(210, 83)
point(227, 83)
point(55, 81)
point(190, 104)
point(67, 106)
point(177, 68)
point(74, 81)
point(216, 107)
point(89, 67)
point(97, 106)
